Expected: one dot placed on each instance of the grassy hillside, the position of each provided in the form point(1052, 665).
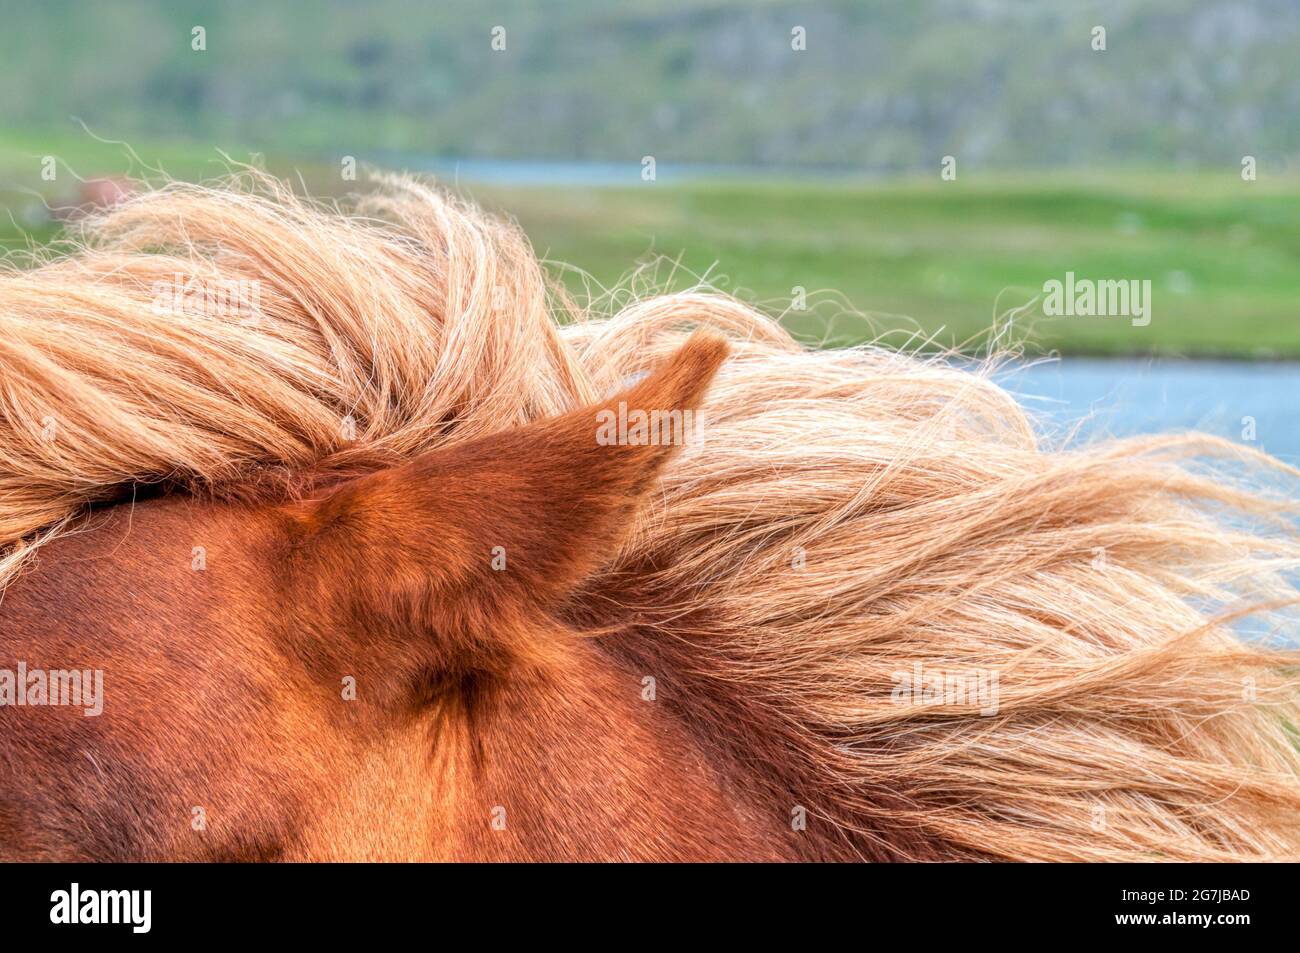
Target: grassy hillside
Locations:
point(880, 85)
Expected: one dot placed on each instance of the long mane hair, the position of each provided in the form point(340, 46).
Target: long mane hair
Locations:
point(855, 518)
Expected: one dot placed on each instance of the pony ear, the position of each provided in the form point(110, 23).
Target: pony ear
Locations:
point(476, 541)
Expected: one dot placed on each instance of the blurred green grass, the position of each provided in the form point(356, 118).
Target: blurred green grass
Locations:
point(904, 259)
point(943, 259)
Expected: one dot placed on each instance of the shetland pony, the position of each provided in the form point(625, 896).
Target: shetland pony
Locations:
point(362, 581)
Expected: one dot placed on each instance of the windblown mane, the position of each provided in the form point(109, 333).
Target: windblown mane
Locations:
point(854, 519)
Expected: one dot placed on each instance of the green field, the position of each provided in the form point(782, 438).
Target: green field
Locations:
point(945, 261)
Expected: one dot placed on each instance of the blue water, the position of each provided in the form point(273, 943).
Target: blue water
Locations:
point(1124, 397)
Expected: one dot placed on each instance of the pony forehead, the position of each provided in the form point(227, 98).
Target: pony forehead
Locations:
point(240, 337)
point(207, 337)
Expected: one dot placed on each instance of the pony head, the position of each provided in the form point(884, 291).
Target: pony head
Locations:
point(347, 536)
point(376, 666)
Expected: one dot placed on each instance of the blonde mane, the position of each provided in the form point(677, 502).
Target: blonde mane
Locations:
point(854, 519)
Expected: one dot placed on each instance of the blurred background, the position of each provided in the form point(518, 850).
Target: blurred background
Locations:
point(907, 173)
